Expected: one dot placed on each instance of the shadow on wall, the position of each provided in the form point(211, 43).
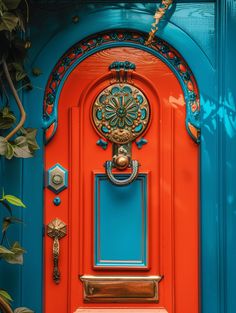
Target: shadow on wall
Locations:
point(223, 113)
point(213, 113)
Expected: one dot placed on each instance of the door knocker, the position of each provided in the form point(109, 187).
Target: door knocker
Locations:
point(121, 114)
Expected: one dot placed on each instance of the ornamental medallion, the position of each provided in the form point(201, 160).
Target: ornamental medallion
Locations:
point(121, 113)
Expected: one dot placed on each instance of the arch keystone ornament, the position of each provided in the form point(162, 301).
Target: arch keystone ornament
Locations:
point(122, 72)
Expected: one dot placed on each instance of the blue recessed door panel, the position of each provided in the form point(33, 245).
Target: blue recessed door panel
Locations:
point(114, 206)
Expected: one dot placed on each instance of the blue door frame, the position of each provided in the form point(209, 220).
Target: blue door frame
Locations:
point(209, 49)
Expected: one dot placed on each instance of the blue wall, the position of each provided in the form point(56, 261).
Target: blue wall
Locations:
point(204, 33)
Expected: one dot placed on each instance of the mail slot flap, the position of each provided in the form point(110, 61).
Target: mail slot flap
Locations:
point(120, 289)
point(124, 289)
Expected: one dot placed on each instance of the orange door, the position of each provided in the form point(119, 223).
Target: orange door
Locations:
point(127, 229)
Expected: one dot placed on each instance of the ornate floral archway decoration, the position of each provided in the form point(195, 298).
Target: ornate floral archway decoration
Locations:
point(109, 39)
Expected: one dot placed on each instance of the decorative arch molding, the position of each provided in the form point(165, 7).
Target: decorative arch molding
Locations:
point(81, 50)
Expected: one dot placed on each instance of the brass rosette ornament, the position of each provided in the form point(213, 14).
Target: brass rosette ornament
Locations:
point(121, 114)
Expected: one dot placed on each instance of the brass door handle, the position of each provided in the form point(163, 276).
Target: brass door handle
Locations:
point(56, 229)
point(118, 182)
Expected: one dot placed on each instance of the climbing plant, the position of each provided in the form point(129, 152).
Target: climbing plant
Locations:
point(10, 251)
point(15, 140)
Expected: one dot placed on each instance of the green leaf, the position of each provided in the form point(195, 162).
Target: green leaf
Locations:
point(9, 151)
point(37, 71)
point(20, 76)
point(19, 71)
point(22, 152)
point(4, 250)
point(31, 133)
point(5, 295)
point(23, 131)
point(14, 258)
point(26, 144)
point(3, 7)
point(7, 118)
point(3, 146)
point(16, 248)
point(31, 139)
point(16, 220)
point(20, 141)
point(8, 21)
point(7, 221)
point(23, 310)
point(14, 200)
point(17, 256)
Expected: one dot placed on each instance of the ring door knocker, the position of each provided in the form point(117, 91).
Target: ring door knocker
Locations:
point(121, 114)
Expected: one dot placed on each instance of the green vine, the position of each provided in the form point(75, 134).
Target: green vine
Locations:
point(10, 252)
point(15, 140)
point(13, 18)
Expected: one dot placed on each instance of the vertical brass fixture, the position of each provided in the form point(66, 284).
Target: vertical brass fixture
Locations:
point(56, 229)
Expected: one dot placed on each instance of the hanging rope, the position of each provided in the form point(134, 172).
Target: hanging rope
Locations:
point(160, 12)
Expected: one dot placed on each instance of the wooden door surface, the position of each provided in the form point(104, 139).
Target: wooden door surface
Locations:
point(135, 246)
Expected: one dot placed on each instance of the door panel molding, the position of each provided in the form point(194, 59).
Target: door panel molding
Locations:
point(122, 243)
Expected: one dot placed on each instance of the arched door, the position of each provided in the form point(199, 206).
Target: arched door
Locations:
point(121, 234)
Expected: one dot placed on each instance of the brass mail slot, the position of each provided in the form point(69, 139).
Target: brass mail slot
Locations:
point(120, 288)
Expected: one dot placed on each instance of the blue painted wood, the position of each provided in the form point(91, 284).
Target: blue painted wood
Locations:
point(229, 67)
point(120, 222)
point(213, 63)
point(11, 171)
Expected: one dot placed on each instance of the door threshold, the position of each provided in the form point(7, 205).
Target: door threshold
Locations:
point(125, 310)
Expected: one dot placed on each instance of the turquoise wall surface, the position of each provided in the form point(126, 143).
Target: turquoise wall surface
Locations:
point(204, 33)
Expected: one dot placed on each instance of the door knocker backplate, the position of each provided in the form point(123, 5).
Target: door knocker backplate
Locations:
point(121, 114)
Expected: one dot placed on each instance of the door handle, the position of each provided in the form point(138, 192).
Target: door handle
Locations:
point(56, 229)
point(122, 182)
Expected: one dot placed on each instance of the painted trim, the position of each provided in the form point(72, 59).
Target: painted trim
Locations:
point(123, 310)
point(93, 44)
